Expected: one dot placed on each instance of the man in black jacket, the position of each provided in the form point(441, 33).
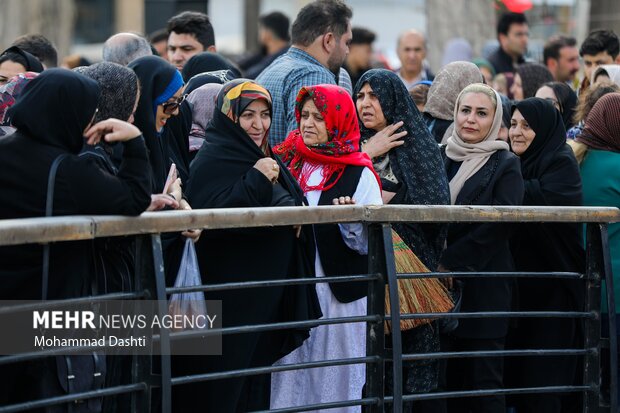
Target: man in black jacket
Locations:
point(513, 35)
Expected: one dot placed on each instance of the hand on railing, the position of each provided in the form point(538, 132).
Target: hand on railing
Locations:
point(160, 201)
point(343, 200)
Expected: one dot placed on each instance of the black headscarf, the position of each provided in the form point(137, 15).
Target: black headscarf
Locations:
point(32, 63)
point(217, 76)
point(551, 177)
point(155, 75)
point(55, 108)
point(417, 164)
point(567, 100)
point(208, 62)
point(222, 176)
point(550, 140)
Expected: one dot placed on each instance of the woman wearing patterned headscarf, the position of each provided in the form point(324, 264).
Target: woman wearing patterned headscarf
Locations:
point(528, 78)
point(482, 171)
point(234, 168)
point(202, 104)
point(8, 94)
point(600, 174)
point(323, 155)
point(407, 158)
point(439, 108)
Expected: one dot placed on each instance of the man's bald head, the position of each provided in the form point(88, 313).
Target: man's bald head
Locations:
point(411, 50)
point(123, 48)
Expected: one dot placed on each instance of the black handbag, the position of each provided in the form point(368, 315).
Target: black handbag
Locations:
point(74, 373)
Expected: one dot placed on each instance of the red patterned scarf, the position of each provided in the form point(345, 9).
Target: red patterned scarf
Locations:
point(341, 150)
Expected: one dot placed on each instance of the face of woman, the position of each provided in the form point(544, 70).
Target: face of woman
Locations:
point(255, 120)
point(312, 125)
point(474, 117)
point(517, 88)
point(488, 76)
point(369, 109)
point(8, 69)
point(520, 134)
point(545, 92)
point(161, 117)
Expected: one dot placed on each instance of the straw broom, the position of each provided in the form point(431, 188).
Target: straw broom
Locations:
point(416, 295)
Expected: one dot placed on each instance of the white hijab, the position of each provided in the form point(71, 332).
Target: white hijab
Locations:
point(473, 155)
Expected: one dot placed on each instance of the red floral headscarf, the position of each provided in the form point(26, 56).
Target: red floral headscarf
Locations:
point(342, 148)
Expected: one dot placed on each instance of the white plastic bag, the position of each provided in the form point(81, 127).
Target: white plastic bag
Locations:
point(190, 304)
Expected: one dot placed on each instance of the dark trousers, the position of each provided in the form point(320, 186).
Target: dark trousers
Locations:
point(478, 373)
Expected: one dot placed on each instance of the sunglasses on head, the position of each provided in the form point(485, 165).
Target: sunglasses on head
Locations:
point(170, 107)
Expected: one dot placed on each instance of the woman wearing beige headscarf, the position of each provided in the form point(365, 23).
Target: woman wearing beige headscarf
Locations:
point(482, 171)
point(439, 108)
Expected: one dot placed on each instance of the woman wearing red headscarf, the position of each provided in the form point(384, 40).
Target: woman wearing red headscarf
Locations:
point(323, 155)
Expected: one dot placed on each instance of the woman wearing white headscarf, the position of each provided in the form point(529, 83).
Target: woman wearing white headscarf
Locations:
point(482, 171)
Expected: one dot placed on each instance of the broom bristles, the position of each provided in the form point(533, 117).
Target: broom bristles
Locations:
point(416, 295)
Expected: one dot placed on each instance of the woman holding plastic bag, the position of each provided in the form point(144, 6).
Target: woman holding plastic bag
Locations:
point(236, 168)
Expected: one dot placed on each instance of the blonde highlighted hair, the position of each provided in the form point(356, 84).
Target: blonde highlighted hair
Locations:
point(579, 149)
point(478, 88)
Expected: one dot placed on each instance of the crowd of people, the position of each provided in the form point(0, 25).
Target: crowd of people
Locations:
point(169, 123)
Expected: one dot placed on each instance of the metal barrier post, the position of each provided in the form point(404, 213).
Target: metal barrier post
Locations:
point(592, 333)
point(611, 305)
point(142, 365)
point(381, 261)
point(375, 340)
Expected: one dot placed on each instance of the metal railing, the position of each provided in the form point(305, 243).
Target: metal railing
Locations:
point(150, 283)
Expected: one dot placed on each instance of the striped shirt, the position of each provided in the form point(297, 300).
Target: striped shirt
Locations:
point(284, 78)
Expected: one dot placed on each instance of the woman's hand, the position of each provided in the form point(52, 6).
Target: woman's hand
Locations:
point(193, 234)
point(382, 142)
point(175, 190)
point(111, 130)
point(160, 201)
point(387, 196)
point(269, 168)
point(343, 200)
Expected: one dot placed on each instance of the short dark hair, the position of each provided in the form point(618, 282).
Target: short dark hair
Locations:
point(40, 47)
point(277, 23)
point(318, 18)
point(194, 23)
point(600, 41)
point(13, 57)
point(362, 36)
point(508, 19)
point(158, 36)
point(554, 44)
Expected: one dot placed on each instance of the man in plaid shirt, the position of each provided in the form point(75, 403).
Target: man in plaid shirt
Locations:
point(321, 35)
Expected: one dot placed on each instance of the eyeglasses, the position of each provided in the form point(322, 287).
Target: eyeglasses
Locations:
point(170, 107)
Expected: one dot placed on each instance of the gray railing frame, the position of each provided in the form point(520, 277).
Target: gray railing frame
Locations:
point(149, 281)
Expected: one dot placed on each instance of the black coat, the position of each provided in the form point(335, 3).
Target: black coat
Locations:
point(552, 178)
point(222, 176)
point(502, 62)
point(484, 247)
point(50, 117)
